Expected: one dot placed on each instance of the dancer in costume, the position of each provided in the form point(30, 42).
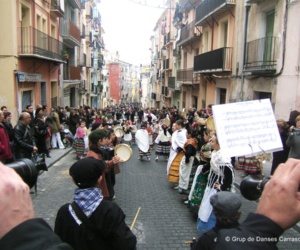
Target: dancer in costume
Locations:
point(163, 143)
point(142, 141)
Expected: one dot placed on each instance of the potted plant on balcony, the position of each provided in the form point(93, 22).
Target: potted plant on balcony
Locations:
point(65, 55)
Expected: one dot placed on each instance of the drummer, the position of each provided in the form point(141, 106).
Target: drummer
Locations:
point(97, 139)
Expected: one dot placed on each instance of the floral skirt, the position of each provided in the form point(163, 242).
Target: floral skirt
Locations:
point(198, 192)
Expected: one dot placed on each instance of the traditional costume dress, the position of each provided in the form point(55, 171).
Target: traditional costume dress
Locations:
point(79, 142)
point(178, 141)
point(127, 134)
point(221, 171)
point(200, 180)
point(142, 141)
point(163, 143)
point(189, 149)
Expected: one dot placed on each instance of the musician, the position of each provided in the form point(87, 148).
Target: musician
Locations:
point(127, 132)
point(97, 139)
point(176, 154)
point(189, 149)
point(163, 143)
point(142, 141)
point(220, 178)
point(90, 222)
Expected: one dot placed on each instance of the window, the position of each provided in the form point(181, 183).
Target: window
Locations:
point(223, 34)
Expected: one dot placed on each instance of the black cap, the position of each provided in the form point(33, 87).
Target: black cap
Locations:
point(226, 203)
point(87, 171)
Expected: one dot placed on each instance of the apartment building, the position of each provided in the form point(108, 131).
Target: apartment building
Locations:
point(229, 51)
point(30, 53)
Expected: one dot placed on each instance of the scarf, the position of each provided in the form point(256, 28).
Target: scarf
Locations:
point(191, 141)
point(88, 199)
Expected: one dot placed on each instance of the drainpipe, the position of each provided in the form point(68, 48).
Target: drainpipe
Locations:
point(247, 9)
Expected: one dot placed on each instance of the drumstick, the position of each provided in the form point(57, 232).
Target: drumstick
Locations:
point(137, 214)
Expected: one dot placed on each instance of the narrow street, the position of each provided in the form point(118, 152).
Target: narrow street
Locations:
point(163, 222)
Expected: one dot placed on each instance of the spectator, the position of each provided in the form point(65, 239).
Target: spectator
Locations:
point(55, 130)
point(102, 223)
point(293, 140)
point(29, 109)
point(281, 156)
point(4, 109)
point(226, 207)
point(24, 139)
point(5, 150)
point(278, 209)
point(41, 130)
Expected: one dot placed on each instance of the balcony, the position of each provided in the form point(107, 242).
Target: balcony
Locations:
point(71, 73)
point(211, 7)
point(219, 60)
point(261, 55)
point(57, 8)
point(34, 43)
point(185, 75)
point(75, 4)
point(70, 33)
point(189, 33)
point(255, 1)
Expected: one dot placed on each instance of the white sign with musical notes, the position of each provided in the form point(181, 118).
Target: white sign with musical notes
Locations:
point(247, 128)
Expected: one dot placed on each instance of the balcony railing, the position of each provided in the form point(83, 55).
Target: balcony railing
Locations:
point(75, 4)
point(36, 43)
point(71, 73)
point(56, 8)
point(210, 7)
point(188, 32)
point(185, 75)
point(70, 32)
point(261, 55)
point(219, 60)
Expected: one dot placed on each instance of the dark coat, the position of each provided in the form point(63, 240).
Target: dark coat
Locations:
point(24, 141)
point(109, 219)
point(40, 237)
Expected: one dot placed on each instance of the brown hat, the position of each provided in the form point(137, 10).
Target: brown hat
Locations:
point(87, 171)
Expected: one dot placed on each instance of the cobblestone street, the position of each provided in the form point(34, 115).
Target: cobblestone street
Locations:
point(163, 222)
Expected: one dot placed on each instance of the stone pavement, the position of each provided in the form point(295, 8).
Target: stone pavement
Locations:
point(163, 222)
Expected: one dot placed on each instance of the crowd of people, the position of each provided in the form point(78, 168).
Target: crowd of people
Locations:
point(195, 165)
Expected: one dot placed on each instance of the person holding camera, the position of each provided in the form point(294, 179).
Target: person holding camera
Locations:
point(278, 210)
point(293, 141)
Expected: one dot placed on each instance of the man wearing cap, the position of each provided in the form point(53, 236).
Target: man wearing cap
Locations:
point(226, 207)
point(90, 222)
point(97, 139)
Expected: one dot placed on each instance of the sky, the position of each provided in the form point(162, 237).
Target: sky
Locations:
point(128, 26)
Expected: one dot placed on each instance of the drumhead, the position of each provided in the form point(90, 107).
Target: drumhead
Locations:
point(118, 132)
point(124, 151)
